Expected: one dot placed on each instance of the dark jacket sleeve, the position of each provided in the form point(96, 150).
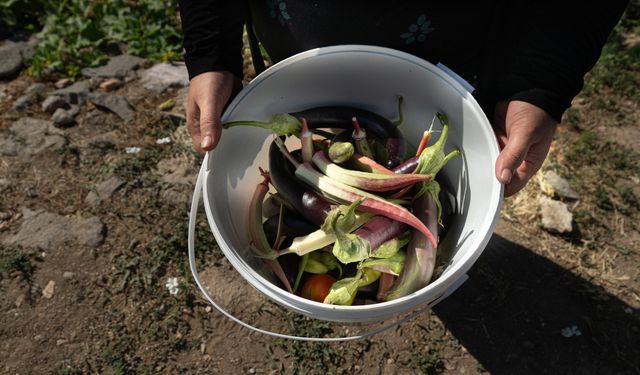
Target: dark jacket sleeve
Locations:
point(212, 32)
point(550, 48)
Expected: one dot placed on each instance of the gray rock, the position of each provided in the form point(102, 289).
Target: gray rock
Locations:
point(68, 275)
point(64, 117)
point(36, 89)
point(104, 190)
point(23, 102)
point(30, 96)
point(12, 57)
point(46, 231)
point(52, 103)
point(74, 94)
point(116, 104)
point(560, 186)
point(36, 136)
point(556, 217)
point(160, 77)
point(116, 67)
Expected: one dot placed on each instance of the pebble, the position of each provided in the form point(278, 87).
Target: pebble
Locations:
point(48, 290)
point(60, 342)
point(68, 275)
point(20, 300)
point(554, 185)
point(52, 103)
point(62, 117)
point(110, 84)
point(556, 217)
point(62, 83)
point(5, 215)
point(38, 338)
point(252, 370)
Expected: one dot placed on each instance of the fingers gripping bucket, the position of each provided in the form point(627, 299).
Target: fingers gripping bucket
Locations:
point(370, 78)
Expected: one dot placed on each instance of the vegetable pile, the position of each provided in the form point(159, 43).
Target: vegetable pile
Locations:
point(352, 217)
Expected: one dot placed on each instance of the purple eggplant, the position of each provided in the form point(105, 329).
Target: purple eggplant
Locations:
point(308, 203)
point(340, 117)
point(421, 253)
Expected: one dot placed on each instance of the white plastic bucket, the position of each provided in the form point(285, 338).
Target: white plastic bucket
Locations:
point(370, 78)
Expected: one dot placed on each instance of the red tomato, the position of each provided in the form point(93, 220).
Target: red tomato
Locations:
point(317, 287)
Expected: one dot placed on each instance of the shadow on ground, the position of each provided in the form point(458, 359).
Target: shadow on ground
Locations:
point(512, 312)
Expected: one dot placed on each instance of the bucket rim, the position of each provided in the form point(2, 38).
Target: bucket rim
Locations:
point(433, 290)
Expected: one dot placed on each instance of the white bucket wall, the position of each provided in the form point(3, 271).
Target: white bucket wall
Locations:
point(370, 78)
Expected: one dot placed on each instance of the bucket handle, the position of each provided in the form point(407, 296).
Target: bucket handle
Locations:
point(195, 201)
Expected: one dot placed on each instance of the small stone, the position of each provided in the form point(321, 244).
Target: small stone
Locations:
point(38, 338)
point(74, 94)
point(160, 77)
point(46, 231)
point(116, 67)
point(116, 104)
point(30, 96)
point(62, 117)
point(68, 275)
point(10, 61)
point(62, 83)
point(390, 361)
point(252, 370)
point(104, 190)
point(60, 342)
point(5, 215)
point(556, 217)
point(110, 84)
point(554, 185)
point(47, 292)
point(52, 103)
point(19, 300)
point(36, 136)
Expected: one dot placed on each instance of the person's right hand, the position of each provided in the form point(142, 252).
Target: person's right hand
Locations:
point(209, 93)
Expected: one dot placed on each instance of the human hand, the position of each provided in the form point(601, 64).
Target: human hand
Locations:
point(208, 94)
point(524, 133)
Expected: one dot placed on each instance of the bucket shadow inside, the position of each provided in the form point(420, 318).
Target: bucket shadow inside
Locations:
point(520, 313)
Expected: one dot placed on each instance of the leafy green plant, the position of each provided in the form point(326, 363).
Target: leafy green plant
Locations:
point(80, 33)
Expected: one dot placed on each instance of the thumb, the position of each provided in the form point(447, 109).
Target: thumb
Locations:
point(512, 155)
point(210, 128)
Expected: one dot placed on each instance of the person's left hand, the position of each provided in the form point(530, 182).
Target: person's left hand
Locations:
point(524, 134)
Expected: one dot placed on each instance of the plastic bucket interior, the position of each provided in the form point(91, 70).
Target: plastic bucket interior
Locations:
point(370, 78)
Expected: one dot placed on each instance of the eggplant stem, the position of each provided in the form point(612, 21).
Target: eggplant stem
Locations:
point(258, 124)
point(360, 137)
point(425, 137)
